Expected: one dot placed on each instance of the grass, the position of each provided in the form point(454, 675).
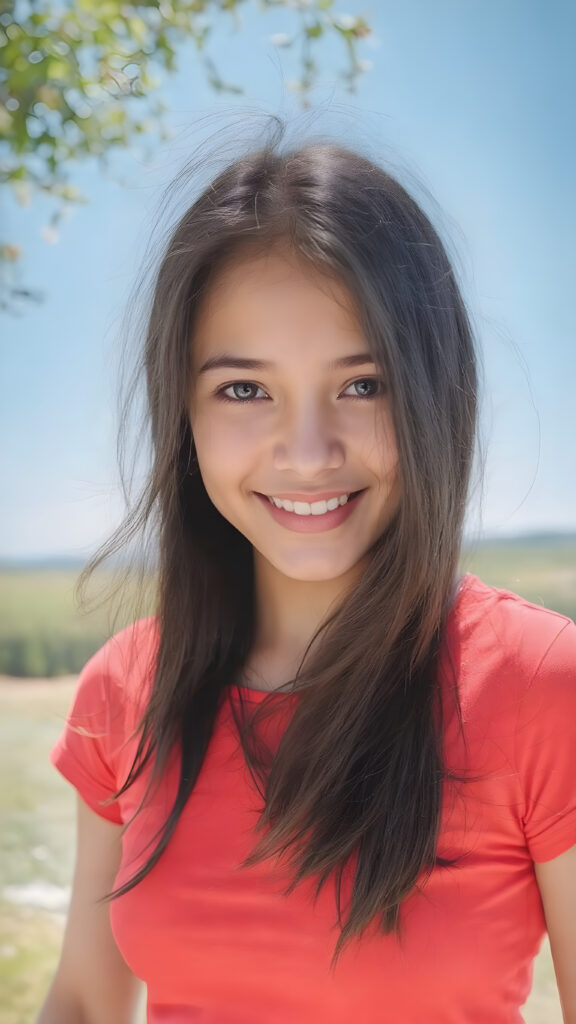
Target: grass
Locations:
point(34, 799)
point(36, 842)
point(29, 944)
point(43, 632)
point(542, 570)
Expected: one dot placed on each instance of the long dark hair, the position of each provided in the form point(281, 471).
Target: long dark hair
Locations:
point(359, 769)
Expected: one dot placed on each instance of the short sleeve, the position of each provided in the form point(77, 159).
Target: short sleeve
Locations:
point(546, 749)
point(85, 752)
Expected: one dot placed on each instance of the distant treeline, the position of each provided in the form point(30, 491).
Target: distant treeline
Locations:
point(43, 634)
point(39, 656)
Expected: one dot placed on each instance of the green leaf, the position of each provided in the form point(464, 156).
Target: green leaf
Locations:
point(138, 30)
point(6, 120)
point(103, 37)
point(57, 70)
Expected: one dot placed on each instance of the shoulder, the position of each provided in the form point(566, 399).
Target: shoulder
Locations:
point(504, 647)
point(514, 665)
point(121, 671)
point(488, 616)
point(100, 731)
point(132, 649)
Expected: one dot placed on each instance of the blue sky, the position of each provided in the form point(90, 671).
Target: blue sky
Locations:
point(474, 100)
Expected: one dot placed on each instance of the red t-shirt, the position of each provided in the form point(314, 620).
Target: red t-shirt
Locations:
point(220, 945)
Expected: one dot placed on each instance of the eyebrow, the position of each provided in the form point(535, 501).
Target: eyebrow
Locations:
point(228, 361)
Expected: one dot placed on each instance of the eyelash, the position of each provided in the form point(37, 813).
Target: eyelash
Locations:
point(219, 393)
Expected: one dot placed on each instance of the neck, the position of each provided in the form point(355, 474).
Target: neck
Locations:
point(289, 612)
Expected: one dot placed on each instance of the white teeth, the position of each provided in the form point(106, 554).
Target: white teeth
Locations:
point(303, 508)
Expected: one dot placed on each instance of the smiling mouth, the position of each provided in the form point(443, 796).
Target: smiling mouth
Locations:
point(328, 515)
point(312, 498)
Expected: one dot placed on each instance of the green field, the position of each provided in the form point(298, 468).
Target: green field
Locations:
point(541, 569)
point(42, 632)
point(37, 805)
point(37, 843)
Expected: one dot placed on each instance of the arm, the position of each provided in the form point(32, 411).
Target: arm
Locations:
point(557, 883)
point(93, 984)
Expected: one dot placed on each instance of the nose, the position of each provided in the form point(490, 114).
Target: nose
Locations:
point(308, 443)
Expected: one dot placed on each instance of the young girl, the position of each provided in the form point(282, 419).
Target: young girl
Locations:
point(329, 780)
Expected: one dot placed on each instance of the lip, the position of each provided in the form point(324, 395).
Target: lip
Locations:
point(309, 497)
point(312, 524)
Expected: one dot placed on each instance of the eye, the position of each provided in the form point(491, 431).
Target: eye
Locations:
point(221, 392)
point(376, 383)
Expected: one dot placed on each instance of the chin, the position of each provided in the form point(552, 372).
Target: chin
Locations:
point(314, 572)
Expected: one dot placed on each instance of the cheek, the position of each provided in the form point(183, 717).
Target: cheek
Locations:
point(389, 442)
point(224, 448)
point(390, 460)
point(377, 447)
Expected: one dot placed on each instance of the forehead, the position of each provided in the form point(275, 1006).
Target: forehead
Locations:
point(275, 293)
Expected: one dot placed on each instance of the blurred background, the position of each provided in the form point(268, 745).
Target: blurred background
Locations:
point(470, 102)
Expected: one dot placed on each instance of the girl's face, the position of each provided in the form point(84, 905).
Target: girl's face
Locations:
point(304, 421)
